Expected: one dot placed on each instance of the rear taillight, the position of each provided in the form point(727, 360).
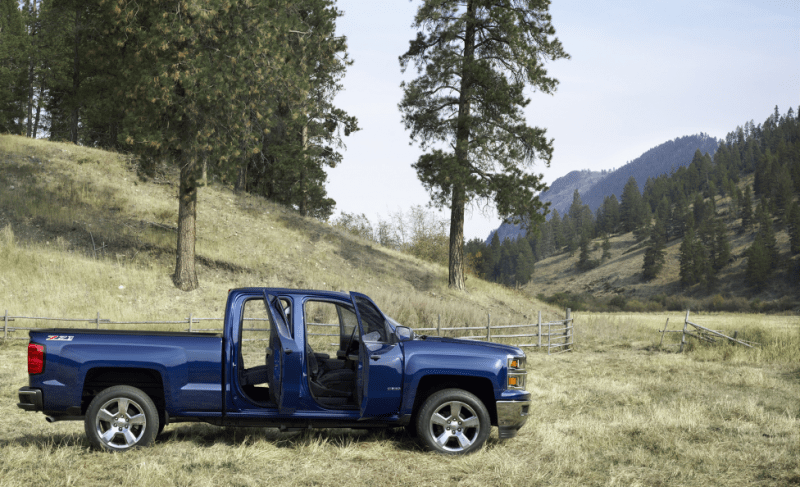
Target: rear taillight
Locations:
point(35, 358)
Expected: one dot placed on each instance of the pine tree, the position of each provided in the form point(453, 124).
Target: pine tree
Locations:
point(759, 265)
point(762, 256)
point(558, 231)
point(525, 263)
point(654, 255)
point(474, 62)
point(633, 214)
point(747, 210)
point(606, 248)
point(610, 211)
point(583, 258)
point(688, 272)
point(794, 228)
point(490, 259)
point(13, 67)
point(783, 192)
point(199, 83)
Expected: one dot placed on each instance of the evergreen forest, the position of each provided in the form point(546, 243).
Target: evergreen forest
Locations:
point(242, 91)
point(755, 171)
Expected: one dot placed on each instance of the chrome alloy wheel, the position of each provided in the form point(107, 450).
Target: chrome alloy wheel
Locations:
point(454, 426)
point(120, 423)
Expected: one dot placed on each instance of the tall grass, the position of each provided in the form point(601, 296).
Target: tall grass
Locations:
point(778, 336)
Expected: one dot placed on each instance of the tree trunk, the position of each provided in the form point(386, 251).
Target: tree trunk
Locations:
point(185, 277)
point(458, 202)
point(32, 63)
point(204, 177)
point(302, 205)
point(456, 275)
point(241, 180)
point(38, 112)
point(76, 82)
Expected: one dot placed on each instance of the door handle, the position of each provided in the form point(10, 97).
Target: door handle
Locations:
point(375, 357)
point(287, 351)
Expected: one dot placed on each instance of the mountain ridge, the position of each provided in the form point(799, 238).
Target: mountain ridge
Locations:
point(661, 159)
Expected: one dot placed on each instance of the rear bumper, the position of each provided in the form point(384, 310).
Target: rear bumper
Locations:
point(30, 399)
point(511, 416)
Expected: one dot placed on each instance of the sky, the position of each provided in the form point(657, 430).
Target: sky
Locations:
point(641, 73)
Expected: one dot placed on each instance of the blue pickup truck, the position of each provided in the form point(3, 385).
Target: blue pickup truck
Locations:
point(126, 386)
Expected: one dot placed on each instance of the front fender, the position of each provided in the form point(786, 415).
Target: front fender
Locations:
point(422, 364)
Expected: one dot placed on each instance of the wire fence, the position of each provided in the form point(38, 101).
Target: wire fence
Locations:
point(555, 336)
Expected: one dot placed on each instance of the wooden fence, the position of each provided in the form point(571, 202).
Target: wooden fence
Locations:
point(701, 333)
point(555, 336)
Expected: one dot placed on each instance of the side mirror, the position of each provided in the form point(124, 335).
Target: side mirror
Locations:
point(403, 333)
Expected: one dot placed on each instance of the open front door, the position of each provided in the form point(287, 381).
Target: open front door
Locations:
point(279, 338)
point(380, 362)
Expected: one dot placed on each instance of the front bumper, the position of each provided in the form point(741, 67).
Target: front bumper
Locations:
point(511, 416)
point(30, 399)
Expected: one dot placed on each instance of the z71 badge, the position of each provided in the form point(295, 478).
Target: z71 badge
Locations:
point(60, 338)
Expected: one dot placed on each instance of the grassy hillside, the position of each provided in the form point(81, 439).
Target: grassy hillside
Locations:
point(81, 232)
point(620, 276)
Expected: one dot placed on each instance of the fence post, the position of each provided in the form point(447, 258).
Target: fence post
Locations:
point(540, 330)
point(662, 333)
point(5, 327)
point(549, 323)
point(567, 334)
point(97, 321)
point(683, 335)
point(190, 322)
point(488, 327)
point(439, 325)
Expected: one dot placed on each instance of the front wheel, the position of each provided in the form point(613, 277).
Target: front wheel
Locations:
point(453, 422)
point(121, 418)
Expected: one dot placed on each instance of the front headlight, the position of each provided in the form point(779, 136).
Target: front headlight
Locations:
point(517, 372)
point(516, 363)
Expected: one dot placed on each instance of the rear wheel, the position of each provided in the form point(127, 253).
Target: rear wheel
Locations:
point(121, 418)
point(453, 422)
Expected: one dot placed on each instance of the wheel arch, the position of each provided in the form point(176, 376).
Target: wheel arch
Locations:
point(481, 387)
point(147, 380)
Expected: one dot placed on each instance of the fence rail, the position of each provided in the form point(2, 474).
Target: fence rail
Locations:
point(555, 336)
point(703, 334)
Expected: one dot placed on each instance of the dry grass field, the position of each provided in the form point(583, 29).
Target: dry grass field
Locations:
point(617, 411)
point(620, 410)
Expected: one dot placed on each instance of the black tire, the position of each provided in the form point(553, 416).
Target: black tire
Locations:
point(453, 422)
point(121, 418)
point(162, 421)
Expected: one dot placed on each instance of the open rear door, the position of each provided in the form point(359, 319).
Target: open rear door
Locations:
point(279, 337)
point(380, 362)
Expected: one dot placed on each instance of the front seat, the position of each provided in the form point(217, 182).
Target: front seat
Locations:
point(328, 383)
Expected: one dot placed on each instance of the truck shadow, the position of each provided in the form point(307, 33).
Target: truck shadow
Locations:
point(206, 436)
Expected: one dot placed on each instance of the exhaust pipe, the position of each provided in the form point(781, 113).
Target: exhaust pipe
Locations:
point(53, 419)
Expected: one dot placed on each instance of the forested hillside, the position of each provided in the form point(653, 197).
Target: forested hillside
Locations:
point(747, 191)
point(240, 91)
point(559, 195)
point(662, 159)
